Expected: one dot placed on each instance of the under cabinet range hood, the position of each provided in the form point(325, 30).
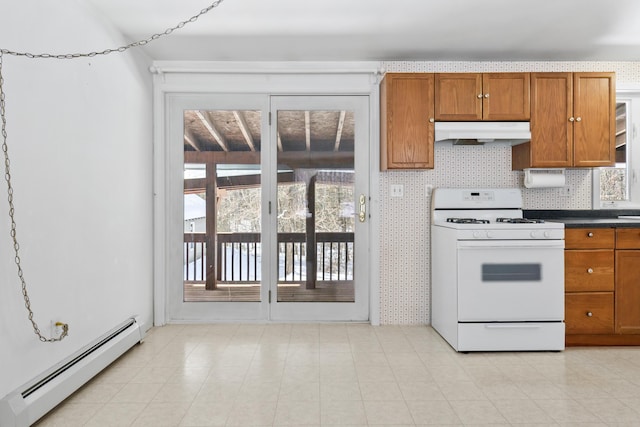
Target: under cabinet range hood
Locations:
point(478, 133)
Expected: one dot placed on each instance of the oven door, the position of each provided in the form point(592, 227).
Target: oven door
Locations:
point(510, 280)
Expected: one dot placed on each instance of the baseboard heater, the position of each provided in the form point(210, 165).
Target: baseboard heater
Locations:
point(27, 404)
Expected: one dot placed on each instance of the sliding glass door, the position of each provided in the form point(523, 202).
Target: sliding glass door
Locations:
point(273, 196)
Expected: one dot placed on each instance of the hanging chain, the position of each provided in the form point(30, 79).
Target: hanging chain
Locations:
point(16, 246)
point(7, 163)
point(118, 49)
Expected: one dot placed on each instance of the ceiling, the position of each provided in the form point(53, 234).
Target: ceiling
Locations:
point(361, 30)
point(373, 30)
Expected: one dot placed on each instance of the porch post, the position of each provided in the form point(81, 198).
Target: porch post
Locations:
point(210, 192)
point(312, 265)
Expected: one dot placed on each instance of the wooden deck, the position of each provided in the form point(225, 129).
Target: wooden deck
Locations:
point(325, 291)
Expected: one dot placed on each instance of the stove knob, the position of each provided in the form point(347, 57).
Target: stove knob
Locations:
point(489, 235)
point(533, 234)
point(476, 234)
point(547, 234)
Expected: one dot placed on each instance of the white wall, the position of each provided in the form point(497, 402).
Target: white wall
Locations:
point(80, 141)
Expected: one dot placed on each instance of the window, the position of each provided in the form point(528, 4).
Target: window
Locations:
point(617, 187)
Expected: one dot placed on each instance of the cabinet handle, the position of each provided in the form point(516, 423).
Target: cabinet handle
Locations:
point(578, 119)
point(590, 234)
point(479, 95)
point(589, 314)
point(486, 95)
point(571, 119)
point(431, 120)
point(590, 270)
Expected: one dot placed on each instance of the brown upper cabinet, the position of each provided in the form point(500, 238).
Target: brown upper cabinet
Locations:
point(572, 121)
point(482, 96)
point(406, 121)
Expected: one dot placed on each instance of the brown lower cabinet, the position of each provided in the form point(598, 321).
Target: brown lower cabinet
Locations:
point(602, 286)
point(628, 281)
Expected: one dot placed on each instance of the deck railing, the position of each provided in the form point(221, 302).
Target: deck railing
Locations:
point(239, 255)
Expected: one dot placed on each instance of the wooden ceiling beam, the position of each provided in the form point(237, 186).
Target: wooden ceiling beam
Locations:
point(294, 159)
point(339, 131)
point(317, 159)
point(206, 121)
point(244, 128)
point(190, 139)
point(221, 157)
point(195, 185)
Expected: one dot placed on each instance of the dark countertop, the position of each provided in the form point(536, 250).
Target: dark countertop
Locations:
point(602, 218)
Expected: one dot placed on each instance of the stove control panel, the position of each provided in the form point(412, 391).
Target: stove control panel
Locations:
point(517, 234)
point(478, 196)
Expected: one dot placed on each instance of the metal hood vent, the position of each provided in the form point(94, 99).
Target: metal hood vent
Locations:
point(478, 133)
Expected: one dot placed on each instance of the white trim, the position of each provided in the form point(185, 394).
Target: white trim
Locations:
point(241, 67)
point(627, 88)
point(159, 217)
point(375, 209)
point(629, 93)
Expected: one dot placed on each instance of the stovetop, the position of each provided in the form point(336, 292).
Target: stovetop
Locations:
point(497, 220)
point(468, 221)
point(488, 214)
point(520, 220)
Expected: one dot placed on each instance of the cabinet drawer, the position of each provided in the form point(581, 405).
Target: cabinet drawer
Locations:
point(589, 270)
point(628, 238)
point(589, 313)
point(589, 238)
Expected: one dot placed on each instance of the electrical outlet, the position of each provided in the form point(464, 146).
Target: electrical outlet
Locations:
point(397, 190)
point(567, 191)
point(427, 190)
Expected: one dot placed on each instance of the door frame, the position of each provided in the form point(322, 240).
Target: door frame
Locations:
point(359, 309)
point(274, 78)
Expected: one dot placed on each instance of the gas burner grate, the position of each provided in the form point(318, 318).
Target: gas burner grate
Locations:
point(468, 221)
point(520, 220)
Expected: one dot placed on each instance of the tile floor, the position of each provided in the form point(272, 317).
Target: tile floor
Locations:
point(349, 374)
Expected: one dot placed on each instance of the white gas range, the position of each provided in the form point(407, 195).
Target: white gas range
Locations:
point(497, 281)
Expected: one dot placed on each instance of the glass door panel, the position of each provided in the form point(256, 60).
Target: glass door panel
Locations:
point(319, 183)
point(222, 205)
point(315, 207)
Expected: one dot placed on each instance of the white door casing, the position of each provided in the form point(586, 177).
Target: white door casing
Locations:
point(173, 84)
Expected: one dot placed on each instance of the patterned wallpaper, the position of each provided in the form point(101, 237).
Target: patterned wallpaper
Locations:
point(404, 252)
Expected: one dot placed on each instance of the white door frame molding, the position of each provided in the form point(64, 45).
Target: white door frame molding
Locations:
point(275, 78)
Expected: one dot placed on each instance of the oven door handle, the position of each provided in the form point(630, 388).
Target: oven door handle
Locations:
point(512, 326)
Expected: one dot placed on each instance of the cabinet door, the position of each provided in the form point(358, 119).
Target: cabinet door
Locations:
point(551, 130)
point(407, 122)
point(627, 238)
point(589, 313)
point(506, 96)
point(458, 96)
point(589, 238)
point(628, 292)
point(594, 103)
point(589, 270)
